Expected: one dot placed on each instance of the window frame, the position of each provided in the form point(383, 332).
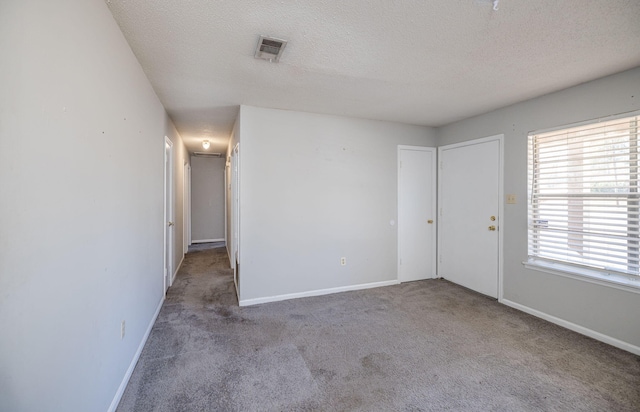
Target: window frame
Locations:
point(627, 282)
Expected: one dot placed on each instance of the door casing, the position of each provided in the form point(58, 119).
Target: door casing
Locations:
point(235, 216)
point(186, 207)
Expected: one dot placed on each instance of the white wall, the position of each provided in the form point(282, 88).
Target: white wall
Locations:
point(605, 310)
point(207, 199)
point(229, 204)
point(81, 205)
point(315, 188)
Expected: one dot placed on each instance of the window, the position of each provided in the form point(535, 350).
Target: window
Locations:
point(584, 205)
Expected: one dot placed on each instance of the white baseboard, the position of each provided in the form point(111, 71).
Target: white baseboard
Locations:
point(134, 361)
point(207, 240)
point(574, 327)
point(173, 278)
point(319, 292)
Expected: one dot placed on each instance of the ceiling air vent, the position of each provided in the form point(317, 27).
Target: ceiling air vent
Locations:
point(270, 48)
point(207, 154)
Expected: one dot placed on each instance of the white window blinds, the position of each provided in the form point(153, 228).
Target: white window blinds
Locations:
point(583, 196)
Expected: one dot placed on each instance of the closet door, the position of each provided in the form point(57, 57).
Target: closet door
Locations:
point(416, 213)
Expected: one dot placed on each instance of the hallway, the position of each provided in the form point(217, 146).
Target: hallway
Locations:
point(183, 353)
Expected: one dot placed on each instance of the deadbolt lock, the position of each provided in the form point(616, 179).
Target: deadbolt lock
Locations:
point(493, 218)
point(492, 228)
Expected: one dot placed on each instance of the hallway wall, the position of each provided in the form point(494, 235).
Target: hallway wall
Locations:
point(81, 205)
point(180, 158)
point(207, 199)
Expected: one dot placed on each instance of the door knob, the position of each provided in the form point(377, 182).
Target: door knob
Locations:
point(429, 221)
point(170, 223)
point(492, 228)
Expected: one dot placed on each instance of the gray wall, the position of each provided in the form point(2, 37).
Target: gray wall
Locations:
point(81, 205)
point(207, 199)
point(605, 310)
point(315, 188)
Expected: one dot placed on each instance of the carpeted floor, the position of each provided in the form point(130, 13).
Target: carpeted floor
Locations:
point(420, 346)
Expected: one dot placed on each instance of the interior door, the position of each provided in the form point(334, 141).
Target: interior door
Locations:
point(168, 212)
point(416, 213)
point(469, 206)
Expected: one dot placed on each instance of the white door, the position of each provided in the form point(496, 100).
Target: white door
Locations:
point(416, 213)
point(168, 211)
point(469, 204)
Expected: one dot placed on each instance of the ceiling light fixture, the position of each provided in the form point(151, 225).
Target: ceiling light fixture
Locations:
point(205, 144)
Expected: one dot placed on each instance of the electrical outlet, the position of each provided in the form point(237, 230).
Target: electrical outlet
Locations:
point(343, 261)
point(511, 199)
point(122, 330)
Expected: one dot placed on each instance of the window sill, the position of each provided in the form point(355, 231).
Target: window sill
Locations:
point(614, 280)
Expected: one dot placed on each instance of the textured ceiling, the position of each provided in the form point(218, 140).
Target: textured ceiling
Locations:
point(421, 62)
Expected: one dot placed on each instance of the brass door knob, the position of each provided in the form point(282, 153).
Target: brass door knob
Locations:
point(492, 228)
point(429, 221)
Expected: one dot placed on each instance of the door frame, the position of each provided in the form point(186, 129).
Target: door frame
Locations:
point(500, 139)
point(167, 263)
point(186, 207)
point(235, 216)
point(434, 195)
point(227, 210)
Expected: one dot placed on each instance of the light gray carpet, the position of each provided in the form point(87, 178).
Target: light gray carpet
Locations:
point(420, 346)
point(195, 247)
